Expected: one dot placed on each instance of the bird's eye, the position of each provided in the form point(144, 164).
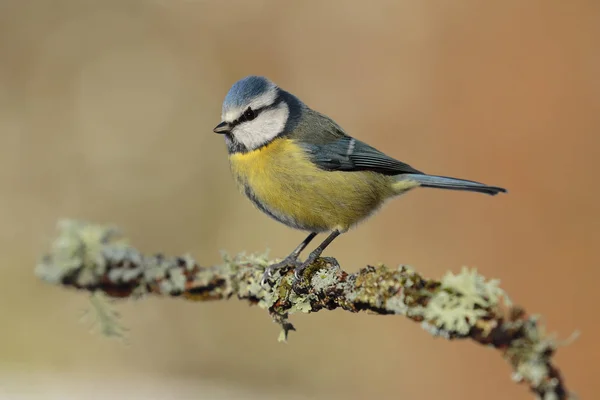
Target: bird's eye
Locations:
point(249, 114)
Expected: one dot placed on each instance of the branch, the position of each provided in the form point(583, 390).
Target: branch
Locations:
point(98, 259)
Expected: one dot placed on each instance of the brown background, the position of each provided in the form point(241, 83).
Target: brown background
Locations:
point(106, 111)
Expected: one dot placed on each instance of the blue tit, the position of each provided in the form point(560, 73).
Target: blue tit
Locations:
point(301, 168)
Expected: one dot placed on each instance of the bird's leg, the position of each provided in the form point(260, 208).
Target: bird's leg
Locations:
point(315, 254)
point(290, 260)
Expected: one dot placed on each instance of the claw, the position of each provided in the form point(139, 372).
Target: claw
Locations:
point(298, 284)
point(268, 274)
point(300, 270)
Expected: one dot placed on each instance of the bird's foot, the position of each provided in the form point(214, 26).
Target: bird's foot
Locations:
point(289, 261)
point(298, 284)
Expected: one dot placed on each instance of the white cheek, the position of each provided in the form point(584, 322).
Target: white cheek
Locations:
point(263, 128)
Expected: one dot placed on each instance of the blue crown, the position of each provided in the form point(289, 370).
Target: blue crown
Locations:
point(244, 90)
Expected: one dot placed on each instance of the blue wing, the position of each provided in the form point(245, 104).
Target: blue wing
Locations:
point(349, 154)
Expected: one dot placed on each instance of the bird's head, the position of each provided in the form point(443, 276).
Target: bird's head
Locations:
point(255, 111)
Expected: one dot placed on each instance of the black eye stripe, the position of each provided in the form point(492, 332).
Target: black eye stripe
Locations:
point(243, 118)
point(248, 115)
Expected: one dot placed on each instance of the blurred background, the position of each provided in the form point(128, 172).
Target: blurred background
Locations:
point(106, 114)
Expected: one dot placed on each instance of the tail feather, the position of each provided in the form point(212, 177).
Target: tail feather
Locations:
point(444, 182)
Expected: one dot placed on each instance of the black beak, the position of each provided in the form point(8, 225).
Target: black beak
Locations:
point(222, 128)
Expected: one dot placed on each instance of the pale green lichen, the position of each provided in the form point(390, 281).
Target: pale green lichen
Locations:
point(551, 396)
point(397, 305)
point(102, 315)
point(324, 278)
point(124, 274)
point(461, 300)
point(190, 263)
point(434, 330)
point(535, 372)
point(78, 245)
point(531, 351)
point(448, 312)
point(86, 277)
point(177, 278)
point(154, 271)
point(297, 302)
point(165, 286)
point(254, 259)
point(301, 303)
point(282, 338)
point(250, 287)
point(474, 288)
point(352, 297)
point(286, 327)
point(268, 296)
point(373, 286)
point(83, 252)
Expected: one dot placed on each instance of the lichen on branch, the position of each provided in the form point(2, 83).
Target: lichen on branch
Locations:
point(465, 305)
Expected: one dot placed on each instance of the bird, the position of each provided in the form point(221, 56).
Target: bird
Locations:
point(302, 169)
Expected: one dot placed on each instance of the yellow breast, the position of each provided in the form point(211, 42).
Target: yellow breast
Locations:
point(281, 181)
